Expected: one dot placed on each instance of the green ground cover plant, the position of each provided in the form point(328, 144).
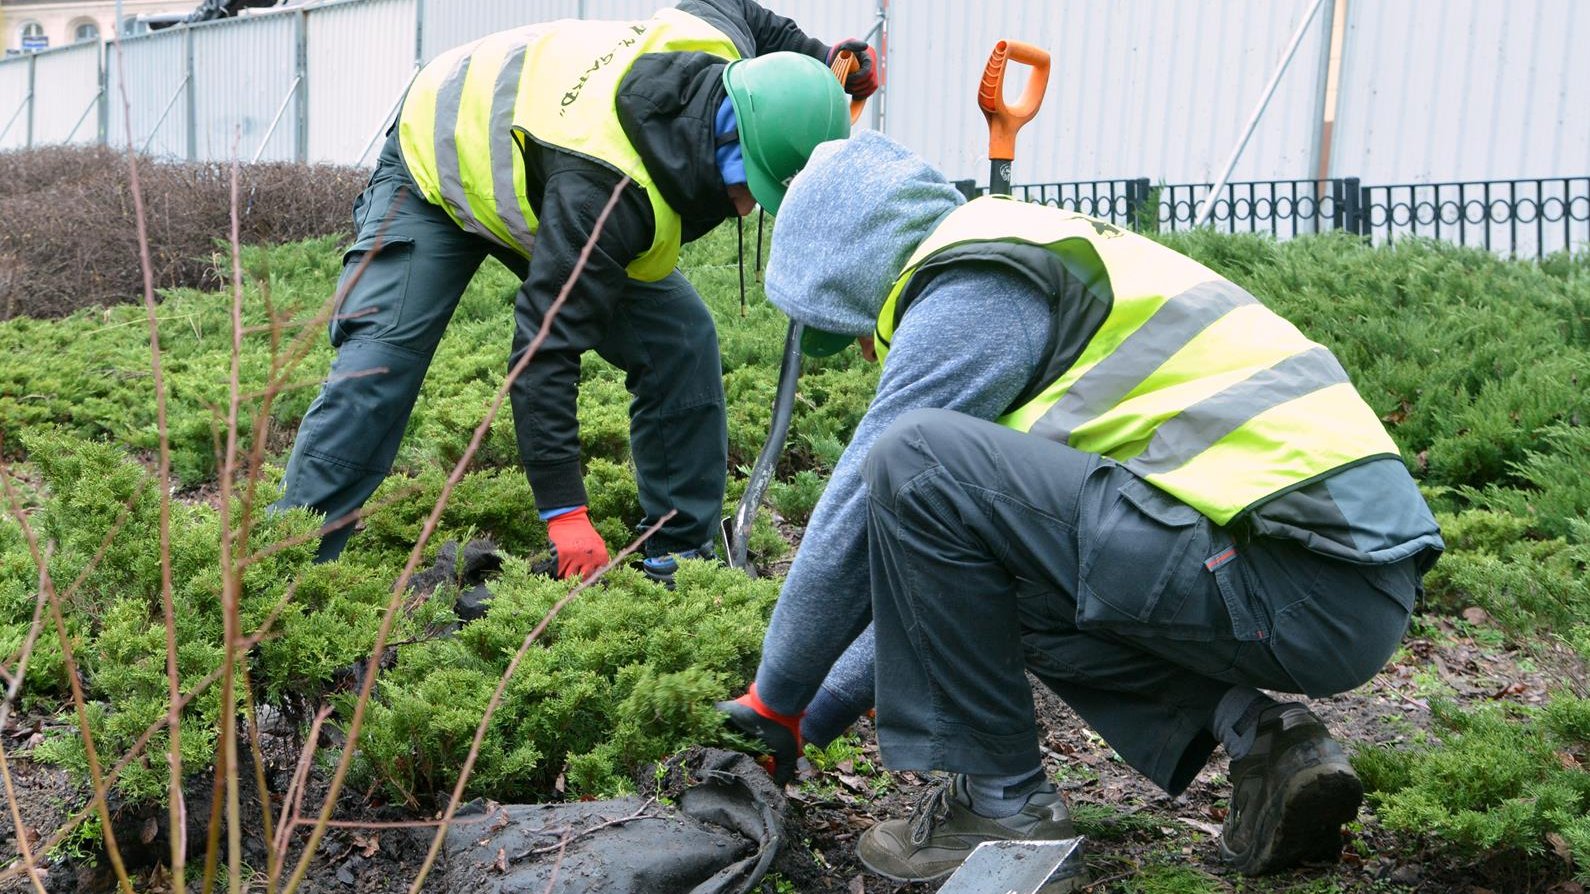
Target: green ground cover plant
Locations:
point(1497, 778)
point(101, 503)
point(1477, 365)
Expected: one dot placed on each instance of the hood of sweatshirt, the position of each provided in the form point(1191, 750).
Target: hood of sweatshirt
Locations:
point(851, 219)
point(668, 104)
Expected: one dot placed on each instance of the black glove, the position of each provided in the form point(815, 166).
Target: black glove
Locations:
point(863, 82)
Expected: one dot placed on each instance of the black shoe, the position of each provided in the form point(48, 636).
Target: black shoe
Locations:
point(1290, 795)
point(661, 569)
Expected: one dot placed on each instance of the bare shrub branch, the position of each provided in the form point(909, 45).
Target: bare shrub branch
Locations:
point(173, 686)
point(78, 703)
point(401, 584)
point(502, 686)
point(98, 798)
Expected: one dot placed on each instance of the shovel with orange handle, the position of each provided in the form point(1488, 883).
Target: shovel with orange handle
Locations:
point(1004, 120)
point(1026, 866)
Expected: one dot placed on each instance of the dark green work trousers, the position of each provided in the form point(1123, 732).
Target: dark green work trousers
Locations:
point(401, 282)
point(995, 552)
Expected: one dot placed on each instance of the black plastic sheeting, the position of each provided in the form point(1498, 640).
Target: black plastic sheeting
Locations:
point(468, 572)
point(719, 835)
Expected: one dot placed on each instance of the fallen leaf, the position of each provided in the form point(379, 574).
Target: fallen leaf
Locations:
point(149, 831)
point(1559, 846)
point(858, 885)
point(1566, 888)
point(501, 863)
point(1209, 829)
point(846, 766)
point(367, 846)
point(560, 785)
point(854, 783)
point(1476, 615)
point(1399, 415)
point(1568, 761)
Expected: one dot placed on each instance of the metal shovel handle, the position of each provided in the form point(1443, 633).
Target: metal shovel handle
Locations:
point(737, 527)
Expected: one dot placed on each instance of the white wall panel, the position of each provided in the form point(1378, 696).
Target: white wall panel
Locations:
point(447, 23)
point(67, 86)
point(831, 21)
point(361, 59)
point(1441, 90)
point(14, 73)
point(1137, 87)
point(245, 72)
point(155, 66)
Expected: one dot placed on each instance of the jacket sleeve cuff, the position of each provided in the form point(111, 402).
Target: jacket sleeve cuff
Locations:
point(557, 485)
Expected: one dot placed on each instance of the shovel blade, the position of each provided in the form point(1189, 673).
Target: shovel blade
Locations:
point(731, 555)
point(1020, 867)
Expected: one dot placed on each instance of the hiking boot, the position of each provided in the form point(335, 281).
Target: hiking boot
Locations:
point(1290, 795)
point(779, 734)
point(943, 830)
point(661, 569)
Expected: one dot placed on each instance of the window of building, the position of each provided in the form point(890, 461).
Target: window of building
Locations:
point(33, 36)
point(87, 30)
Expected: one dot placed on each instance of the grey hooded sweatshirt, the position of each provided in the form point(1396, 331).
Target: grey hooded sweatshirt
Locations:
point(972, 341)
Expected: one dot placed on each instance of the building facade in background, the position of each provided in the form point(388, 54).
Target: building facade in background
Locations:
point(30, 25)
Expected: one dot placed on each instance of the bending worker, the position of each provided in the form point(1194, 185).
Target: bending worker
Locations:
point(1095, 459)
point(512, 146)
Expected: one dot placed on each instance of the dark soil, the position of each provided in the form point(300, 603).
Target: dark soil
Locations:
point(1131, 826)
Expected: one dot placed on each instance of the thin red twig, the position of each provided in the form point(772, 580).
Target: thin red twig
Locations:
point(356, 723)
point(177, 809)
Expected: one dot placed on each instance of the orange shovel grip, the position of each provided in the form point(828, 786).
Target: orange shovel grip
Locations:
point(1005, 120)
point(846, 64)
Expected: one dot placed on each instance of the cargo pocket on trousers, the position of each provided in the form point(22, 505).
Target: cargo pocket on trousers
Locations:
point(1345, 631)
point(373, 287)
point(1143, 571)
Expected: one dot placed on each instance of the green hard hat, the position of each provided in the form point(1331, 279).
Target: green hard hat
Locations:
point(785, 104)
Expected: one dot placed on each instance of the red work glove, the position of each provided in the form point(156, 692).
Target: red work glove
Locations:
point(863, 82)
point(579, 549)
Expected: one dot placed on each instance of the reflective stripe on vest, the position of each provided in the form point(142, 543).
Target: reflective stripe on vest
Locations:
point(469, 111)
point(1189, 382)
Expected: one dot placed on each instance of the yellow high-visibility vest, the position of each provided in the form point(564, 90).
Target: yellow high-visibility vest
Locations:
point(466, 119)
point(1189, 382)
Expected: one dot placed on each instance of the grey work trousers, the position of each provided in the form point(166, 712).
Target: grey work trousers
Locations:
point(994, 552)
point(416, 263)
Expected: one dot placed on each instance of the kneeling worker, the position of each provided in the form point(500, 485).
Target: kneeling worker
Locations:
point(1095, 459)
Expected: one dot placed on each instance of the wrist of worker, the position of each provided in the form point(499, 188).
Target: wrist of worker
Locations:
point(557, 485)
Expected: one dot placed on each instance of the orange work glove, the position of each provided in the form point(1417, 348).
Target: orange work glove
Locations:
point(577, 546)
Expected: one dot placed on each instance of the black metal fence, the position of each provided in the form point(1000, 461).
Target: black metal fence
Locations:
point(1518, 218)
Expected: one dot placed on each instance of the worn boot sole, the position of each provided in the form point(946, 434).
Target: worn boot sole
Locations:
point(1307, 821)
